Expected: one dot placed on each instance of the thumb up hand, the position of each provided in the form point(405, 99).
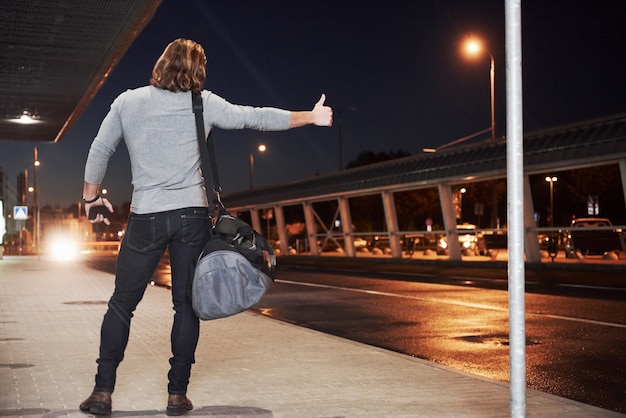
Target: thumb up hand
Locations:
point(322, 115)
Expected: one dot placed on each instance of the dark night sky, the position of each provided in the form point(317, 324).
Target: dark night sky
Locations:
point(398, 63)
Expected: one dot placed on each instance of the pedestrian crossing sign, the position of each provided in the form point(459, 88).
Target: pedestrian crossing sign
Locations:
point(20, 213)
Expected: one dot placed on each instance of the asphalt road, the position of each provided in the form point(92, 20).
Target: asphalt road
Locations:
point(575, 335)
point(576, 332)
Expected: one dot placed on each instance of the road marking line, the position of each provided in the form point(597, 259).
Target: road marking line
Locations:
point(586, 286)
point(448, 302)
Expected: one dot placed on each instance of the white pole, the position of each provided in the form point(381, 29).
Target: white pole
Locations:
point(515, 194)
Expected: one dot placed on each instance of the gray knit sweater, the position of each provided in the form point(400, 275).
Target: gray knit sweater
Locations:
point(158, 127)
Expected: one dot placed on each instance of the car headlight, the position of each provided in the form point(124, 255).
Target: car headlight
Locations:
point(62, 248)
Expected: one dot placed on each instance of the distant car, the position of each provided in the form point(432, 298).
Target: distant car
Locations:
point(411, 242)
point(468, 239)
point(338, 244)
point(359, 242)
point(590, 222)
point(590, 236)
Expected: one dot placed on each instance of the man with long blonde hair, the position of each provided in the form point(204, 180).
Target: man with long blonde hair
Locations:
point(169, 204)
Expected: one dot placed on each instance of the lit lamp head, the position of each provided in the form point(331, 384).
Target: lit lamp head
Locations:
point(473, 47)
point(27, 118)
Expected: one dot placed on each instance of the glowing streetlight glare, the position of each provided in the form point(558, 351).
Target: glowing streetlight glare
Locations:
point(551, 180)
point(473, 46)
point(37, 224)
point(462, 191)
point(260, 148)
point(26, 118)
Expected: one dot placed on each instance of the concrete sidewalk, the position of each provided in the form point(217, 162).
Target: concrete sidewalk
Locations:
point(247, 365)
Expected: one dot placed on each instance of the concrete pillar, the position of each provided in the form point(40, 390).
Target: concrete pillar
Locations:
point(311, 229)
point(391, 219)
point(449, 221)
point(346, 227)
point(533, 253)
point(281, 229)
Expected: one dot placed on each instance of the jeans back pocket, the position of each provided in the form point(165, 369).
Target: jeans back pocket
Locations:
point(196, 224)
point(141, 232)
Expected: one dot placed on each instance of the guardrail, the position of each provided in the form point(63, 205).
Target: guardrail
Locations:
point(492, 242)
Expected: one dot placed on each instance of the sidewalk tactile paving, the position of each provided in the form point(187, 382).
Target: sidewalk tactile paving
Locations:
point(246, 366)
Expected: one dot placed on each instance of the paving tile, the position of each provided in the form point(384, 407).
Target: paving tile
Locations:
point(246, 366)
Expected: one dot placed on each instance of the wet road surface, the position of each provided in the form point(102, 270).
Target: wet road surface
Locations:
point(576, 334)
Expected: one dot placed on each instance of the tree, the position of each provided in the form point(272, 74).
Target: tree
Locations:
point(414, 207)
point(593, 181)
point(489, 193)
point(601, 182)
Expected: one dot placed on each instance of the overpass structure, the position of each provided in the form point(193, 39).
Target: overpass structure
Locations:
point(593, 143)
point(57, 55)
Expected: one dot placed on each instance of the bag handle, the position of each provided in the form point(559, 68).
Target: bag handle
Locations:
point(207, 153)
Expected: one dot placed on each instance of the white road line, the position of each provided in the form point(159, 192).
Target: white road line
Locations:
point(449, 302)
point(586, 286)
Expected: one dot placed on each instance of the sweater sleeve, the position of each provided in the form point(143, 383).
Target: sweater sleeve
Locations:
point(225, 115)
point(104, 145)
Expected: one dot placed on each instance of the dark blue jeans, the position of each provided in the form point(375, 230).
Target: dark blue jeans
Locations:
point(183, 232)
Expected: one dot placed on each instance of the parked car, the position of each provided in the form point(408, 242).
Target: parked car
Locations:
point(359, 242)
point(592, 236)
point(468, 239)
point(338, 244)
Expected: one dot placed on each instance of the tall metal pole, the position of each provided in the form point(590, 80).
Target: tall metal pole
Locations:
point(473, 47)
point(37, 211)
point(338, 114)
point(23, 186)
point(260, 148)
point(515, 192)
point(492, 76)
point(251, 170)
point(551, 180)
point(340, 143)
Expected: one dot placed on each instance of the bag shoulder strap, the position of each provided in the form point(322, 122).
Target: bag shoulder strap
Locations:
point(207, 152)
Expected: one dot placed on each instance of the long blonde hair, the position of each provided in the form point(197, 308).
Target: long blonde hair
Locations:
point(181, 67)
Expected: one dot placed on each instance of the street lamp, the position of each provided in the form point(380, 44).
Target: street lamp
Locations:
point(27, 118)
point(260, 148)
point(36, 165)
point(338, 114)
point(474, 47)
point(462, 191)
point(551, 180)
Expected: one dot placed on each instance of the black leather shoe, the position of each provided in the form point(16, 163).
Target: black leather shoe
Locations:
point(178, 405)
point(99, 403)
